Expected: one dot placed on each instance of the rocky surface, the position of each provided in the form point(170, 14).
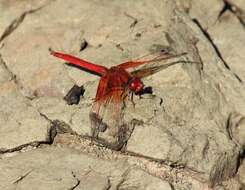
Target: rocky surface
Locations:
point(192, 128)
point(62, 168)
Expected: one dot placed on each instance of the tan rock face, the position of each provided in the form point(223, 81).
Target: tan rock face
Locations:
point(59, 168)
point(20, 123)
point(190, 131)
point(230, 41)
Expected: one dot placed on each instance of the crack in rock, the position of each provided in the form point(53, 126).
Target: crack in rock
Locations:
point(229, 5)
point(135, 20)
point(215, 48)
point(16, 23)
point(109, 184)
point(12, 75)
point(78, 181)
point(22, 177)
point(57, 127)
point(33, 144)
point(14, 78)
point(124, 178)
point(169, 171)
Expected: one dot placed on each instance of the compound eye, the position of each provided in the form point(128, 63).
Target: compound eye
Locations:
point(136, 85)
point(132, 85)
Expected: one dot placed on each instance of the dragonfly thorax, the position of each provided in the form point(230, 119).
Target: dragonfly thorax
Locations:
point(135, 85)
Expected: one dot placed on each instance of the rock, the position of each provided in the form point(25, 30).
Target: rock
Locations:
point(204, 12)
point(5, 75)
point(73, 96)
point(236, 129)
point(35, 169)
point(20, 123)
point(229, 41)
point(193, 121)
point(241, 174)
point(149, 145)
point(76, 116)
point(144, 180)
point(239, 4)
point(35, 71)
point(12, 11)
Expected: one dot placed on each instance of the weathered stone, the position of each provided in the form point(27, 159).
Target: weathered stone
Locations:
point(194, 119)
point(236, 129)
point(11, 11)
point(144, 181)
point(230, 42)
point(205, 12)
point(20, 123)
point(76, 116)
point(4, 73)
point(238, 3)
point(241, 174)
point(59, 168)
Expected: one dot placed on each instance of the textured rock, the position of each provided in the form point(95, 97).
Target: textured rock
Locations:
point(20, 123)
point(153, 142)
point(194, 121)
point(76, 116)
point(61, 168)
point(35, 71)
point(5, 75)
point(236, 129)
point(206, 12)
point(11, 11)
point(238, 4)
point(241, 174)
point(229, 41)
point(144, 181)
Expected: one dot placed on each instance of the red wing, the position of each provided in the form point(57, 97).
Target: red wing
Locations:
point(107, 110)
point(144, 72)
point(105, 96)
point(133, 64)
point(107, 116)
point(98, 69)
point(111, 101)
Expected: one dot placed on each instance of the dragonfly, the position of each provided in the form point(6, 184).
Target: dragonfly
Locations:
point(117, 84)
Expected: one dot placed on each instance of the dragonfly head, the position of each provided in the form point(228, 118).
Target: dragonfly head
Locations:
point(135, 85)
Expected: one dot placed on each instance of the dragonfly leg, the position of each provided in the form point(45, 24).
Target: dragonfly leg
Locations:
point(132, 99)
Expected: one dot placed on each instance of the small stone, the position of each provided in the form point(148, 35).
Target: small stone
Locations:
point(73, 96)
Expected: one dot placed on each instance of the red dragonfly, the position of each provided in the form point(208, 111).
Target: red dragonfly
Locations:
point(115, 86)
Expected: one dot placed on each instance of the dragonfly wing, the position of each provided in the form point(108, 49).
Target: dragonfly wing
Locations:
point(107, 111)
point(161, 57)
point(144, 72)
point(107, 115)
point(97, 125)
